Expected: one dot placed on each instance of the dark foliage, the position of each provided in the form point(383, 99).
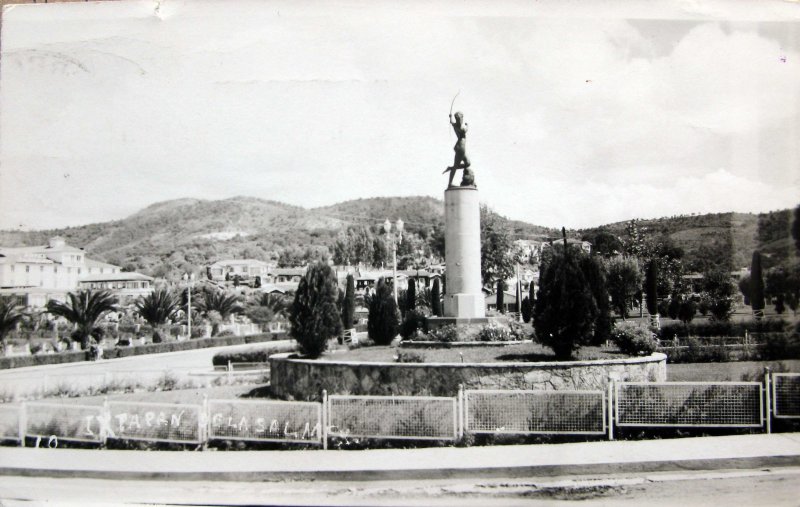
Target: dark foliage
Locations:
point(565, 310)
point(436, 299)
point(650, 286)
point(756, 283)
point(384, 322)
point(349, 303)
point(314, 316)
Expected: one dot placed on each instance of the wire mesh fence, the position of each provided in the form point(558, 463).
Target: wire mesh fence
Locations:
point(266, 421)
point(395, 417)
point(10, 422)
point(690, 404)
point(786, 395)
point(534, 412)
point(82, 423)
point(156, 422)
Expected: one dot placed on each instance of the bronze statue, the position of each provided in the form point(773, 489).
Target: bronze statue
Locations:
point(461, 160)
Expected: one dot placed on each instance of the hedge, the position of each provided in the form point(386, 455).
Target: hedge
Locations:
point(150, 348)
point(254, 355)
point(703, 329)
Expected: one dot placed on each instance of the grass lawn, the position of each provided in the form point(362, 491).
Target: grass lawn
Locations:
point(733, 371)
point(520, 352)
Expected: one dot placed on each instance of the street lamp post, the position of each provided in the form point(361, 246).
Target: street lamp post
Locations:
point(396, 238)
point(189, 277)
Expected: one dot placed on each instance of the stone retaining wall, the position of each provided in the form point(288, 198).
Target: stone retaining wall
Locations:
point(304, 379)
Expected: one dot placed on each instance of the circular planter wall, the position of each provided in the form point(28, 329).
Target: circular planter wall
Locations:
point(304, 379)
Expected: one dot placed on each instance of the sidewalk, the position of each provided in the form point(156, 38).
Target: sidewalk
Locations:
point(702, 453)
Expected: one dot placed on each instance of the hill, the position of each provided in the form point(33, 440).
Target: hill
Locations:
point(168, 238)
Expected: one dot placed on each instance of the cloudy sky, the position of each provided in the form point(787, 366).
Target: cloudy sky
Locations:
point(577, 116)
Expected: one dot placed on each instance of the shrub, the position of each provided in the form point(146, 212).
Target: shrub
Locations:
point(414, 320)
point(527, 309)
point(633, 339)
point(448, 333)
point(410, 356)
point(383, 322)
point(494, 333)
point(517, 330)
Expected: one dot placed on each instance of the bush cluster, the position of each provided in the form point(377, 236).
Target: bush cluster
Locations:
point(414, 321)
point(494, 333)
point(633, 339)
point(410, 356)
point(447, 333)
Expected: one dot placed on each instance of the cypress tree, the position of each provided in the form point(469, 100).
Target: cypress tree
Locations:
point(757, 286)
point(650, 287)
point(532, 292)
point(500, 297)
point(436, 304)
point(411, 295)
point(384, 322)
point(314, 315)
point(526, 309)
point(349, 303)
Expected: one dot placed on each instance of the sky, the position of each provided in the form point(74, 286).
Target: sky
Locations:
point(578, 116)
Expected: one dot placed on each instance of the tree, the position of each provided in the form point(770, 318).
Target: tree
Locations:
point(436, 299)
point(384, 322)
point(411, 295)
point(526, 310)
point(565, 310)
point(718, 292)
point(756, 286)
point(686, 310)
point(219, 301)
point(796, 229)
point(651, 283)
point(498, 255)
point(594, 271)
point(605, 244)
point(744, 288)
point(314, 316)
point(267, 307)
point(500, 299)
point(158, 307)
point(83, 309)
point(349, 303)
point(10, 315)
point(777, 286)
point(624, 282)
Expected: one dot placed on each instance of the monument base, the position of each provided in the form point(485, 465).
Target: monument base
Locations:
point(465, 306)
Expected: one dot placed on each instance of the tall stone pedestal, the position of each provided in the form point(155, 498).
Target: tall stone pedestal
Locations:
point(463, 299)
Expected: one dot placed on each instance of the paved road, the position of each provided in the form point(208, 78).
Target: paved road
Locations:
point(146, 367)
point(774, 487)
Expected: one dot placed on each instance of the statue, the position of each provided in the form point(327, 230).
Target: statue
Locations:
point(461, 160)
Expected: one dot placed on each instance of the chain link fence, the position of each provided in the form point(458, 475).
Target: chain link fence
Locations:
point(157, 422)
point(786, 395)
point(81, 423)
point(535, 412)
point(265, 421)
point(395, 417)
point(10, 422)
point(690, 404)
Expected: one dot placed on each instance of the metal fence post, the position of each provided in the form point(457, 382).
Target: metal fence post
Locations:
point(461, 415)
point(22, 421)
point(325, 414)
point(106, 415)
point(204, 421)
point(768, 398)
point(610, 407)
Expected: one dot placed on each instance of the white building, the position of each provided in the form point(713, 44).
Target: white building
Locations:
point(40, 273)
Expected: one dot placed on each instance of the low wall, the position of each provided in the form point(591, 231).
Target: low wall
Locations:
point(304, 379)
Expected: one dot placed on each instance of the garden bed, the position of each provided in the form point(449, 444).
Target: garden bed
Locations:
point(476, 352)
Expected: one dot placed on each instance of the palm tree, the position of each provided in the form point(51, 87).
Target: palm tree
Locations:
point(83, 309)
point(220, 302)
point(10, 315)
point(158, 307)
